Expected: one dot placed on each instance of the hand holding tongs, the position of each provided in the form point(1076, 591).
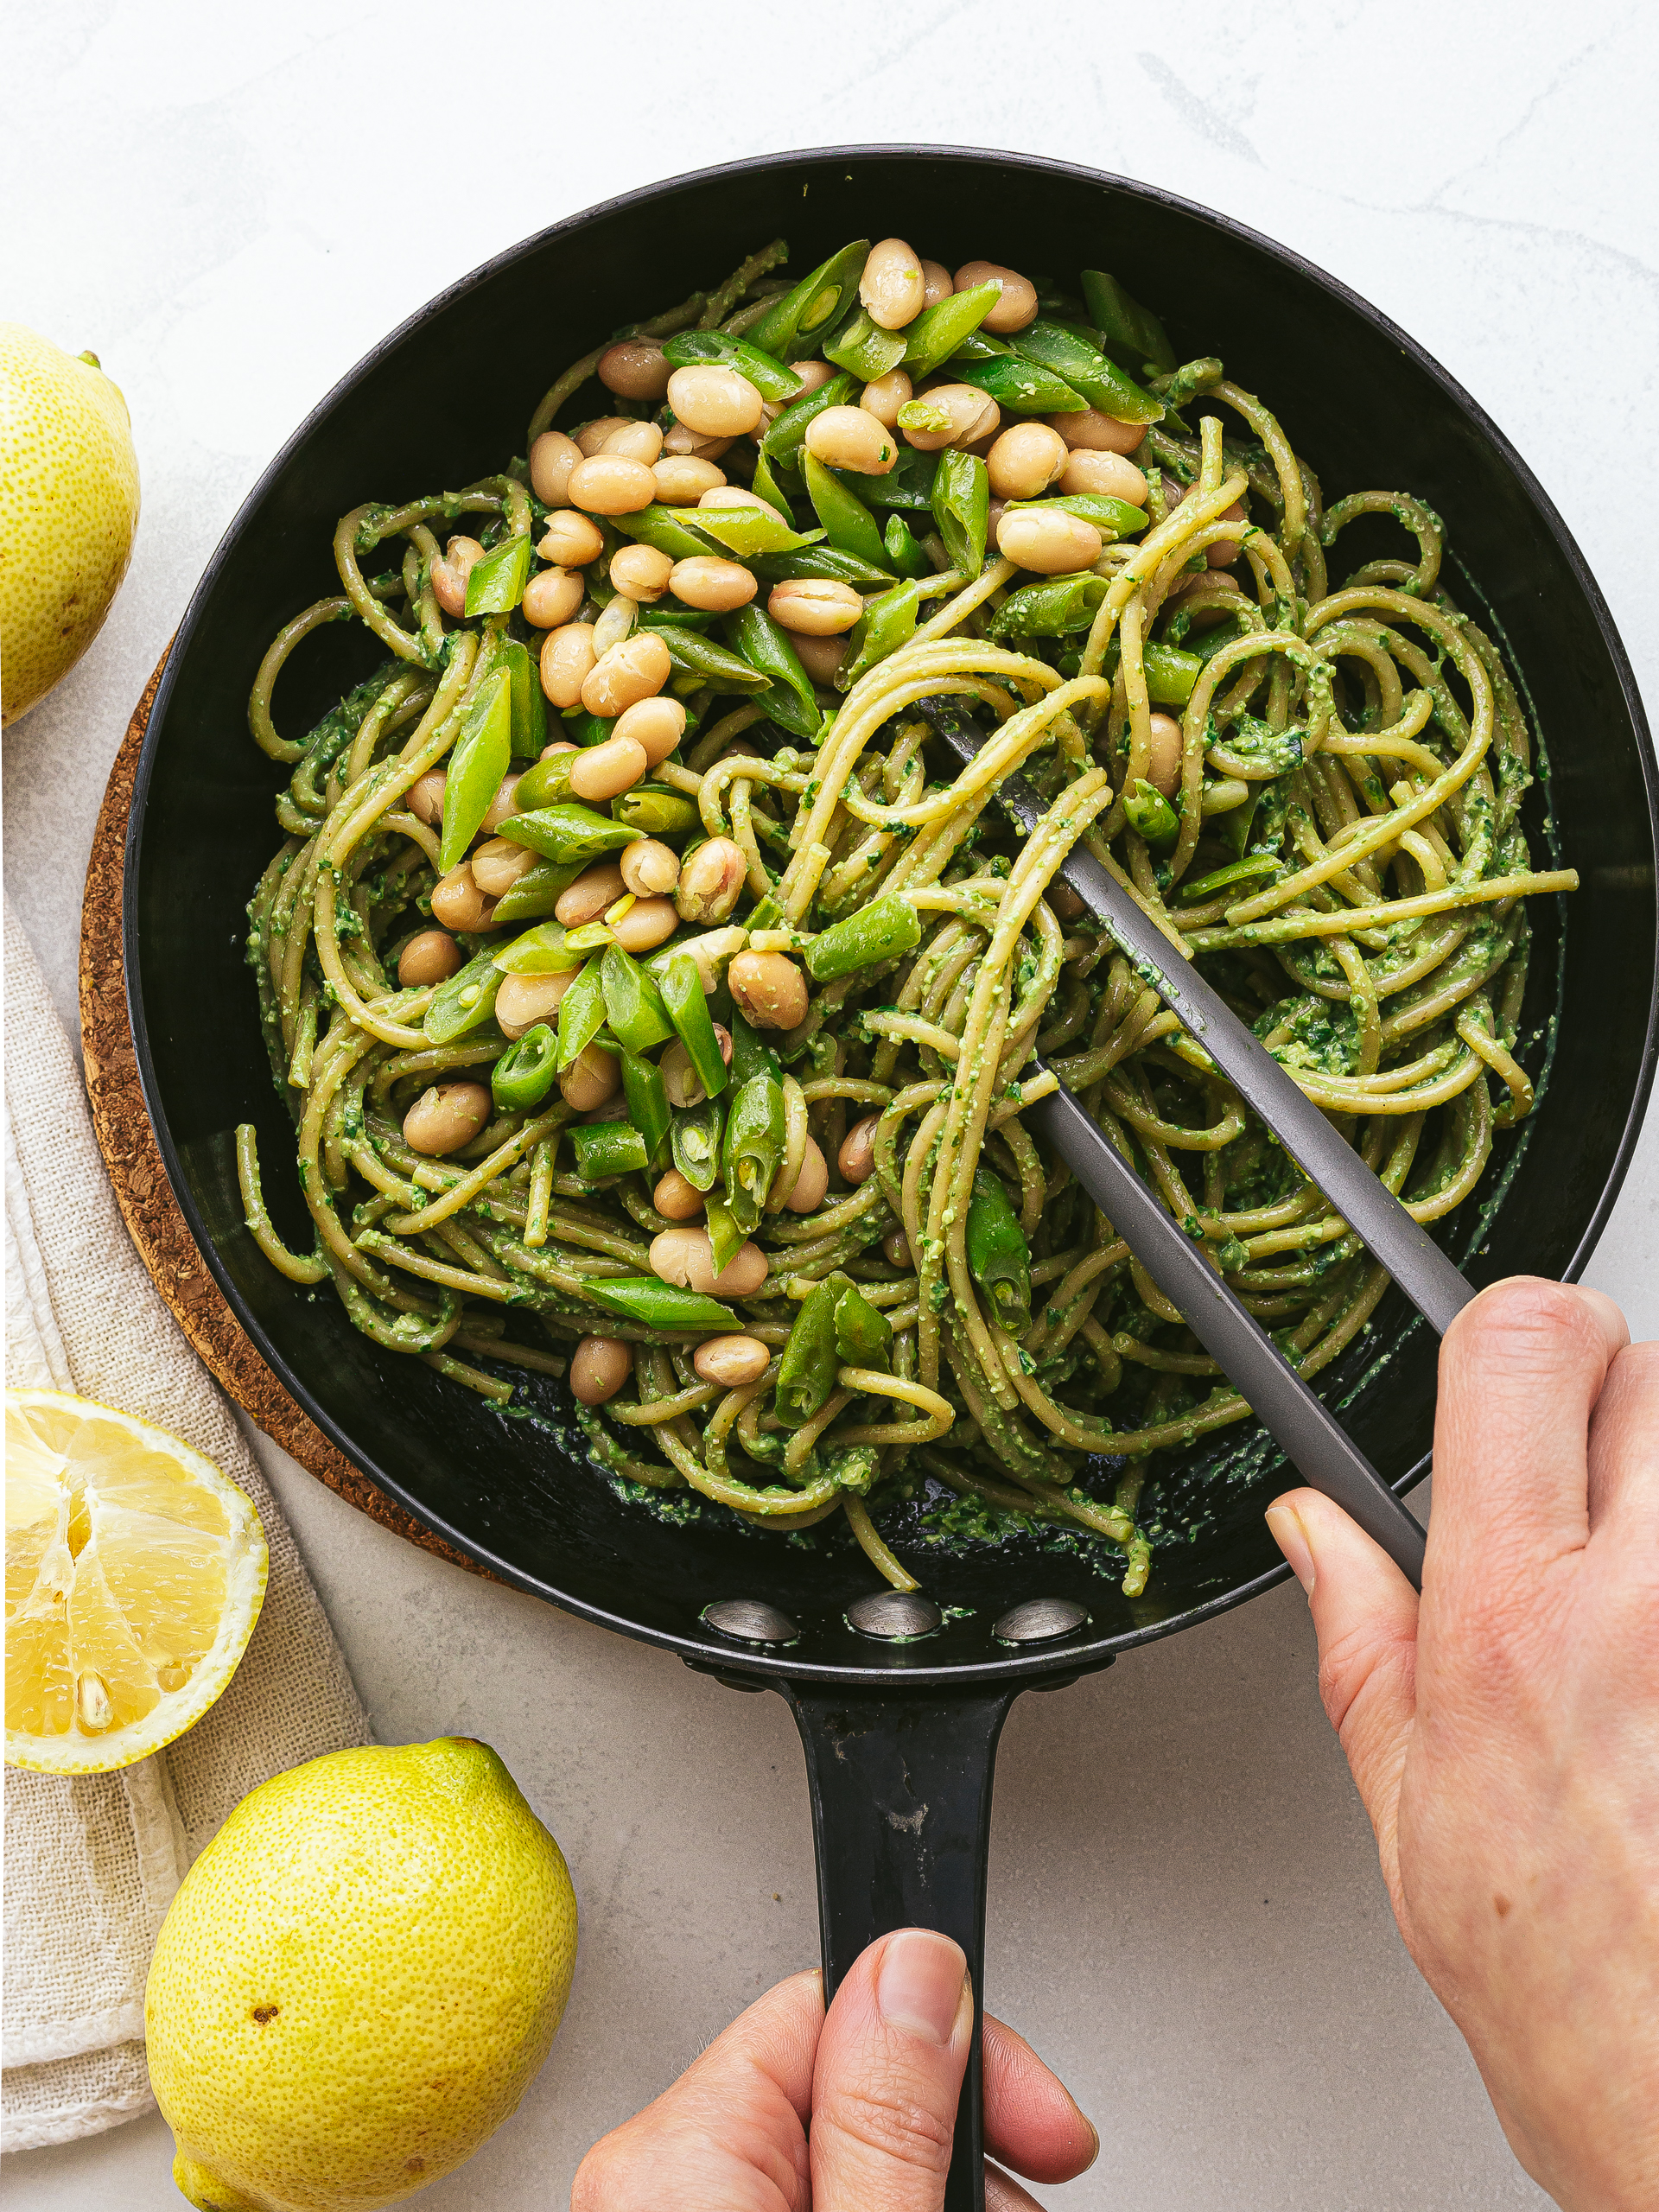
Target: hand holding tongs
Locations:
point(1309, 1434)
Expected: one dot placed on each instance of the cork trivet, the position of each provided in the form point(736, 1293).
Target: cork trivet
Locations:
point(134, 1160)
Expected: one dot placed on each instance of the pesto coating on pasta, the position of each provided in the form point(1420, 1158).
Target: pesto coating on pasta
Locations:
point(642, 975)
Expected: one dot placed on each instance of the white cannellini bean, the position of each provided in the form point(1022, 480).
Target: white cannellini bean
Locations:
point(851, 437)
point(687, 1257)
point(1018, 305)
point(884, 396)
point(616, 621)
point(715, 402)
point(731, 1361)
point(893, 288)
point(1047, 540)
point(1164, 768)
point(551, 459)
point(1024, 461)
point(1106, 473)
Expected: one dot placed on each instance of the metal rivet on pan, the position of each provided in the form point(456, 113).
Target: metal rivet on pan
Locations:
point(750, 1620)
point(1039, 1619)
point(895, 1616)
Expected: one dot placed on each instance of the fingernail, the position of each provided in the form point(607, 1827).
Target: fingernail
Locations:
point(1093, 2129)
point(1292, 1539)
point(920, 1984)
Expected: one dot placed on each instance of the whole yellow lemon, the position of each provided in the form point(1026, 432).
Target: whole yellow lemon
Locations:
point(68, 508)
point(356, 1979)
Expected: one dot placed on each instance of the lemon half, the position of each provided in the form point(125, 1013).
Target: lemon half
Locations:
point(135, 1573)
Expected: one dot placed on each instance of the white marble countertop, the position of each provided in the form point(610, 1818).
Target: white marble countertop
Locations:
point(230, 207)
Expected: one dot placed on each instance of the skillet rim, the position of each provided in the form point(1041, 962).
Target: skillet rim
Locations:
point(904, 1670)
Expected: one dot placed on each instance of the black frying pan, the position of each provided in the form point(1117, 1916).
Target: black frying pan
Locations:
point(900, 1736)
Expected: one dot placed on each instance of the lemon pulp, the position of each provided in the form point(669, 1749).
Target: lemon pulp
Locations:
point(135, 1572)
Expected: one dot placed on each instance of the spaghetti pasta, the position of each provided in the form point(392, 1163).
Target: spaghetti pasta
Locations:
point(1328, 819)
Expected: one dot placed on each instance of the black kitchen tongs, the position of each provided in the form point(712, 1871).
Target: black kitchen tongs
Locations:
point(1310, 1435)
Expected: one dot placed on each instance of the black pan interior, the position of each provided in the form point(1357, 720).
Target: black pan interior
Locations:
point(445, 399)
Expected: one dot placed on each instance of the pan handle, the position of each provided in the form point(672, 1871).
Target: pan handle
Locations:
point(901, 1815)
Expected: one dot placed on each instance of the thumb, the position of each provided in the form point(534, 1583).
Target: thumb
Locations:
point(1365, 1615)
point(890, 2064)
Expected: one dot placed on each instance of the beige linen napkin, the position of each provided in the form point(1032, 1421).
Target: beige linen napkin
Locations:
point(92, 1862)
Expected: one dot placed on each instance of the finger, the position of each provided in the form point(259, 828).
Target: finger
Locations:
point(774, 2041)
point(730, 2134)
point(891, 2060)
point(1521, 1368)
point(1365, 1615)
point(1032, 2120)
point(1624, 1443)
point(1003, 2194)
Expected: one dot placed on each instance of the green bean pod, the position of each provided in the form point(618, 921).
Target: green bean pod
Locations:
point(1152, 817)
point(710, 663)
point(1255, 867)
point(962, 500)
point(938, 331)
point(1054, 608)
point(748, 531)
point(863, 1333)
point(551, 950)
point(657, 1304)
point(908, 483)
point(886, 930)
point(681, 986)
point(537, 892)
point(666, 530)
point(789, 698)
point(694, 1142)
point(981, 346)
point(865, 348)
point(1019, 386)
point(753, 1150)
point(1132, 334)
point(900, 549)
point(647, 1103)
point(1088, 371)
point(1171, 675)
point(1233, 828)
point(526, 1072)
point(465, 1002)
point(634, 1010)
point(568, 832)
point(833, 562)
point(885, 623)
point(751, 1055)
point(495, 582)
point(669, 616)
point(603, 1150)
point(657, 811)
point(1113, 519)
point(764, 484)
point(528, 705)
point(794, 325)
point(725, 1233)
point(584, 730)
point(688, 349)
point(998, 1258)
point(480, 759)
point(581, 1016)
point(847, 523)
point(806, 1373)
point(546, 784)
